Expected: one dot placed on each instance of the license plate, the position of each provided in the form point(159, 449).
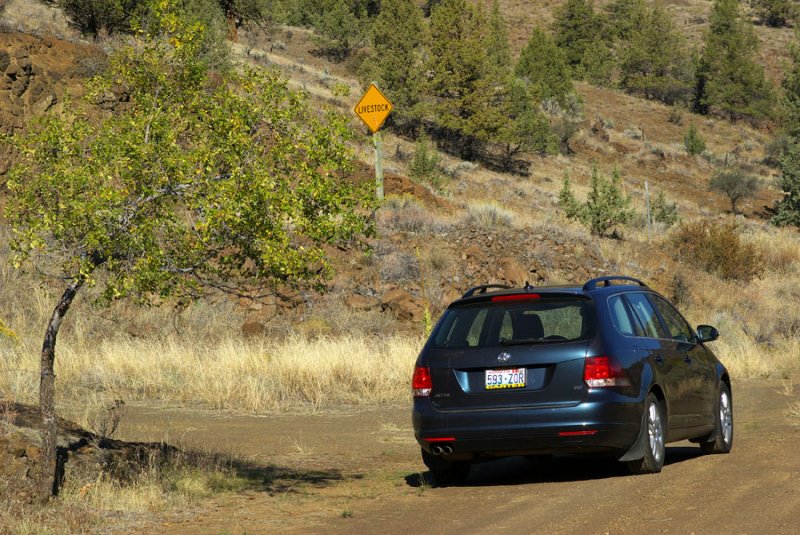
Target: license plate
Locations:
point(508, 378)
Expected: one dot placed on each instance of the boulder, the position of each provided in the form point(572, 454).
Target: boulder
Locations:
point(252, 328)
point(361, 302)
point(403, 305)
point(510, 272)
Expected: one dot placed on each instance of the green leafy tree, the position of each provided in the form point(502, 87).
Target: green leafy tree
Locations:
point(693, 141)
point(543, 66)
point(395, 59)
point(653, 59)
point(729, 78)
point(787, 209)
point(228, 181)
point(735, 184)
point(606, 206)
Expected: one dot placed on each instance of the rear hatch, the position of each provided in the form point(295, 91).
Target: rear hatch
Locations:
point(520, 350)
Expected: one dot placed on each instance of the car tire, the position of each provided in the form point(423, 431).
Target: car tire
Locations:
point(654, 430)
point(723, 423)
point(446, 473)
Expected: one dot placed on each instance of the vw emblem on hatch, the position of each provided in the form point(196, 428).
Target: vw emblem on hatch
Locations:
point(503, 357)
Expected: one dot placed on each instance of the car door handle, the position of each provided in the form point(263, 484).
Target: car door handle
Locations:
point(659, 359)
point(687, 359)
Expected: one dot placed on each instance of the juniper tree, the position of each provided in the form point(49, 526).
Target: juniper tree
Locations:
point(654, 61)
point(729, 77)
point(339, 28)
point(542, 65)
point(625, 17)
point(576, 28)
point(497, 46)
point(228, 181)
point(524, 127)
point(787, 209)
point(458, 85)
point(606, 205)
point(395, 59)
point(580, 33)
point(693, 142)
point(790, 104)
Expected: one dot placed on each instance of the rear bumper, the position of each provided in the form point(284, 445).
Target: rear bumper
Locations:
point(604, 423)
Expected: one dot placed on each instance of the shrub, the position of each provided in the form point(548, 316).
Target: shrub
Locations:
point(426, 164)
point(675, 115)
point(694, 142)
point(664, 211)
point(735, 184)
point(717, 249)
point(488, 216)
point(787, 209)
point(775, 13)
point(605, 208)
point(94, 16)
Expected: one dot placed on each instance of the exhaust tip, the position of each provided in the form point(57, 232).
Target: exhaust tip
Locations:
point(447, 450)
point(436, 450)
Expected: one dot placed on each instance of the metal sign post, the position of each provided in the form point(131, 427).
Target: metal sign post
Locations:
point(373, 109)
point(376, 140)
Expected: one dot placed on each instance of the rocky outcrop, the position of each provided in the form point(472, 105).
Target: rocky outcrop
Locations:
point(36, 75)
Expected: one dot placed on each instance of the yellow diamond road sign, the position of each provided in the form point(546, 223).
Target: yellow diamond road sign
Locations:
point(373, 108)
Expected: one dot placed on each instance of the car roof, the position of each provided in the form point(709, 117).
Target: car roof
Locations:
point(597, 286)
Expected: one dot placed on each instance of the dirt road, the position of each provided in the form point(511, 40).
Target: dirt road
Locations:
point(359, 472)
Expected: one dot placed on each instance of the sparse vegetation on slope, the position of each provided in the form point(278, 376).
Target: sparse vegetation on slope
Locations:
point(302, 351)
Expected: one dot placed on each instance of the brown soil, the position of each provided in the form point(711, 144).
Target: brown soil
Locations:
point(360, 472)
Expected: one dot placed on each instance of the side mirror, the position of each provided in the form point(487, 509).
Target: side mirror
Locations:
point(707, 333)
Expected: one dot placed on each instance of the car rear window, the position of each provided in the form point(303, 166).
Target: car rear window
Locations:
point(488, 324)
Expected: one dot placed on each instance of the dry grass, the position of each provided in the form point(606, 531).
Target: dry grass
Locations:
point(488, 216)
point(176, 482)
point(232, 374)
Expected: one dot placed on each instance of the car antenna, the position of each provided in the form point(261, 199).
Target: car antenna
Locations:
point(528, 286)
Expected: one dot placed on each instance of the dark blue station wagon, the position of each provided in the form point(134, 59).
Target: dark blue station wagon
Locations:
point(610, 367)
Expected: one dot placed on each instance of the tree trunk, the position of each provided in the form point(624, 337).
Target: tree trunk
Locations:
point(47, 389)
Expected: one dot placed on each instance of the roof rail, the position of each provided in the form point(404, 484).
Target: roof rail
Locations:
point(606, 281)
point(482, 289)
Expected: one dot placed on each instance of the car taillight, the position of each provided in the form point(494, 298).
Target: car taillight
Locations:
point(599, 372)
point(421, 383)
point(515, 297)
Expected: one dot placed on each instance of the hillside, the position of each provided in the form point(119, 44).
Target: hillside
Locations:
point(223, 363)
point(481, 225)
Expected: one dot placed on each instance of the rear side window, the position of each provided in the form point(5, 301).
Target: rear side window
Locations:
point(678, 328)
point(646, 316)
point(620, 316)
point(490, 324)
